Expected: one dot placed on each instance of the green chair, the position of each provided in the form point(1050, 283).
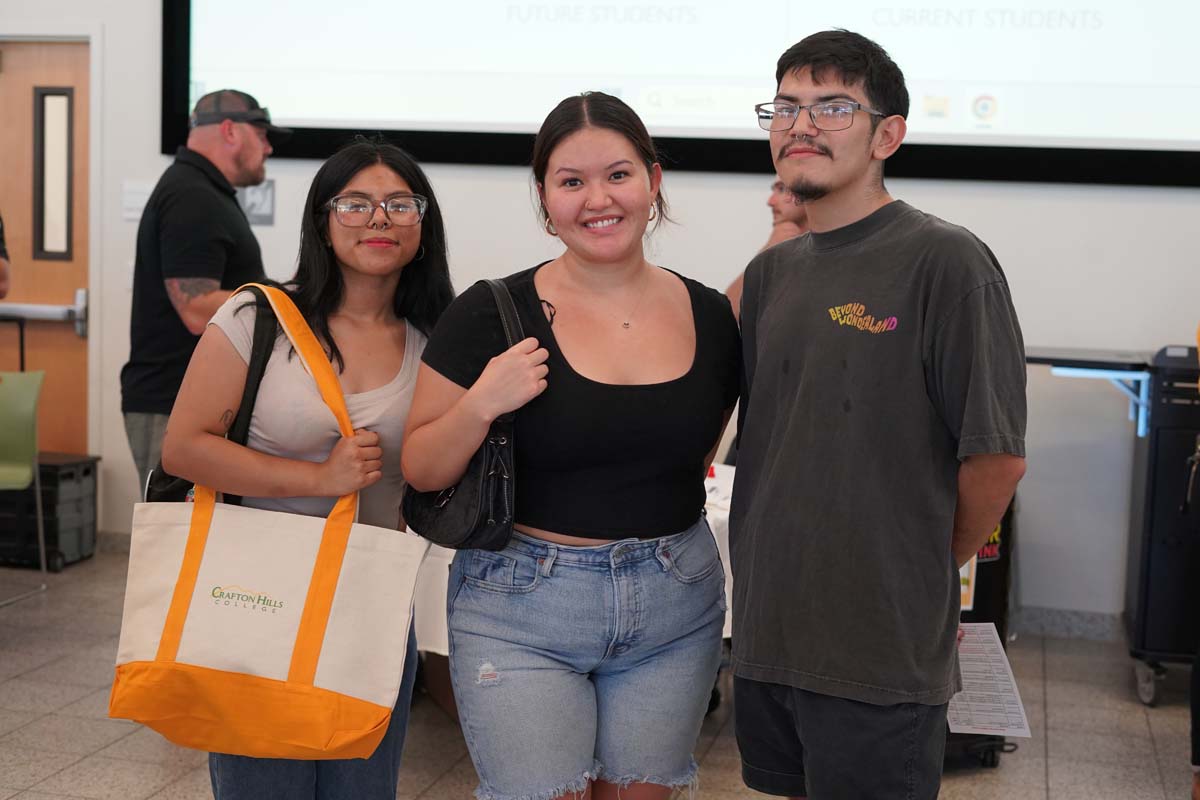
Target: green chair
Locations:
point(19, 393)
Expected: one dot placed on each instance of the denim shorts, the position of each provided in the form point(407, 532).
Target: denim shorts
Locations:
point(577, 663)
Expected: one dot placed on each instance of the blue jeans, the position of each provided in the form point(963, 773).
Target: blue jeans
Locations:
point(374, 778)
point(578, 663)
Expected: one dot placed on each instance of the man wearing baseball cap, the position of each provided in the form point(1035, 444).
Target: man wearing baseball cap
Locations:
point(194, 246)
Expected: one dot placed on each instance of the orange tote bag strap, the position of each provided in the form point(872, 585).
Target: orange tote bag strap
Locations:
point(328, 567)
point(185, 584)
point(323, 584)
point(316, 360)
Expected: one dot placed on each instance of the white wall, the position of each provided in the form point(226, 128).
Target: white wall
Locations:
point(1089, 267)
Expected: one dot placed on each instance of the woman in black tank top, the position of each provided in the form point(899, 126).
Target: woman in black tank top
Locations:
point(605, 611)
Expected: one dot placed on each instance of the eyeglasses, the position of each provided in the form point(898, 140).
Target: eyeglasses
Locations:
point(835, 115)
point(355, 211)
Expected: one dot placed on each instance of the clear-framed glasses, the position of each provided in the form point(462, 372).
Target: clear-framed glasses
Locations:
point(833, 115)
point(356, 211)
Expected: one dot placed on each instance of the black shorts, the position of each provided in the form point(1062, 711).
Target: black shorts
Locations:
point(796, 743)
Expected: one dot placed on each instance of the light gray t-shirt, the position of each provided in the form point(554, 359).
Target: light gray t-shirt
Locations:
point(291, 420)
point(876, 356)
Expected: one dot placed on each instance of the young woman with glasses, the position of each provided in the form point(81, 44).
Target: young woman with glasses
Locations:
point(583, 655)
point(371, 281)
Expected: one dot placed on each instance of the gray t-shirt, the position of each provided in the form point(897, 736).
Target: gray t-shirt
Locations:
point(291, 420)
point(876, 357)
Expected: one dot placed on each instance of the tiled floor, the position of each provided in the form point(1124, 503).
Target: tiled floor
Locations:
point(1091, 736)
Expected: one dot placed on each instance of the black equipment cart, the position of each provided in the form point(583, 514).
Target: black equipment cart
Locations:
point(1162, 603)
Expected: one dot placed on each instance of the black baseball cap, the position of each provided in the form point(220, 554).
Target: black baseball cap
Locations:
point(230, 104)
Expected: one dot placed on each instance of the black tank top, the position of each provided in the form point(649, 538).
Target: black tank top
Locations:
point(600, 460)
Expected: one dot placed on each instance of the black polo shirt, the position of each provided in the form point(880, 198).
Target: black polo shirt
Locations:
point(192, 227)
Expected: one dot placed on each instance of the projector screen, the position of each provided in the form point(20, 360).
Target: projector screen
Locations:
point(1104, 91)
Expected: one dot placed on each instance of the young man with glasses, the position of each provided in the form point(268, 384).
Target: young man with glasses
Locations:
point(882, 437)
point(194, 246)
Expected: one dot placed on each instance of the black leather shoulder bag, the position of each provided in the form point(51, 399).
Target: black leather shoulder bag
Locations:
point(477, 512)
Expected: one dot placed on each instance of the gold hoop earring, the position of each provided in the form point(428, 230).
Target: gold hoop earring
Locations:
point(653, 213)
point(550, 227)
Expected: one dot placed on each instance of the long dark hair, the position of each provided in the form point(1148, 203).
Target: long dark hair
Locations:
point(594, 110)
point(424, 290)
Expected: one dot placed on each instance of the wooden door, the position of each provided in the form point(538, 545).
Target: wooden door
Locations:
point(46, 225)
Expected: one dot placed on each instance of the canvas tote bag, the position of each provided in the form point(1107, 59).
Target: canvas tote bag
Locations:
point(266, 634)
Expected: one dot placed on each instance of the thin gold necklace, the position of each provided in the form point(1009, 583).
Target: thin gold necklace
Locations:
point(641, 296)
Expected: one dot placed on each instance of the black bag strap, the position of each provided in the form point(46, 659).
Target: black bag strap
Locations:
point(162, 487)
point(513, 331)
point(266, 329)
point(508, 311)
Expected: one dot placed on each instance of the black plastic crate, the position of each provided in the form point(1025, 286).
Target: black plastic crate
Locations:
point(65, 478)
point(68, 509)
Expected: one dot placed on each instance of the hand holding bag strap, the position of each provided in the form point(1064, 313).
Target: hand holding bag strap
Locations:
point(464, 515)
point(315, 616)
point(509, 320)
point(328, 566)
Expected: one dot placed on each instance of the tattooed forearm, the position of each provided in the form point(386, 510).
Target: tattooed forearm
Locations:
point(182, 290)
point(227, 420)
point(195, 300)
